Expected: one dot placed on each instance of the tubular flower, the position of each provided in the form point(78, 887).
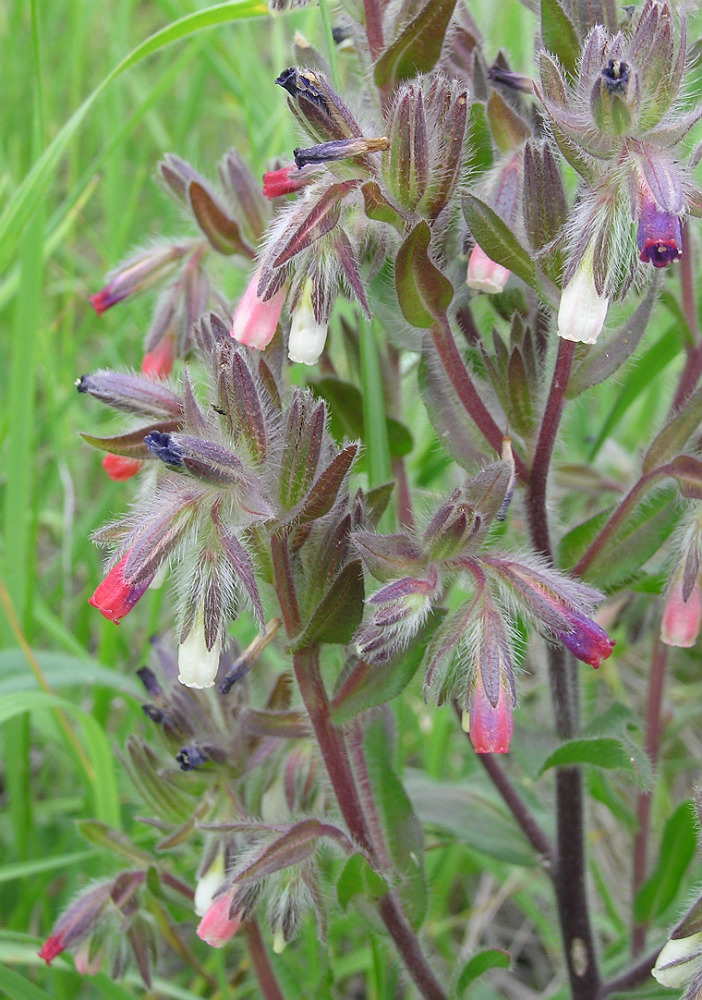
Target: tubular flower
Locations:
point(120, 467)
point(159, 362)
point(307, 335)
point(285, 180)
point(115, 597)
point(678, 961)
point(682, 614)
point(489, 726)
point(197, 663)
point(583, 310)
point(484, 274)
point(136, 274)
point(586, 640)
point(255, 321)
point(216, 926)
point(659, 236)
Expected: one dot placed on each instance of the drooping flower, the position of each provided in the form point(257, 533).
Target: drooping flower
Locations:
point(307, 334)
point(255, 321)
point(78, 922)
point(208, 884)
point(159, 362)
point(484, 274)
point(489, 726)
point(682, 614)
point(216, 926)
point(197, 663)
point(285, 180)
point(586, 640)
point(678, 961)
point(115, 597)
point(120, 467)
point(136, 274)
point(582, 312)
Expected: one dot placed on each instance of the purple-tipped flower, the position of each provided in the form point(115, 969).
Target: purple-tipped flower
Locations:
point(255, 321)
point(136, 274)
point(659, 235)
point(586, 640)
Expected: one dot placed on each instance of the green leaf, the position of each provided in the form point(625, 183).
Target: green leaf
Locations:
point(575, 543)
point(604, 751)
point(15, 986)
point(491, 958)
point(104, 779)
point(595, 365)
point(677, 850)
point(418, 46)
point(359, 879)
point(29, 869)
point(401, 830)
point(676, 433)
point(61, 670)
point(423, 291)
point(346, 415)
point(509, 129)
point(479, 156)
point(558, 34)
point(371, 684)
point(33, 188)
point(497, 239)
point(339, 613)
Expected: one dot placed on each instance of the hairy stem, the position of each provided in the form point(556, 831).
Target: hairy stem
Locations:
point(693, 366)
point(570, 868)
point(374, 27)
point(270, 990)
point(656, 681)
point(536, 496)
point(455, 368)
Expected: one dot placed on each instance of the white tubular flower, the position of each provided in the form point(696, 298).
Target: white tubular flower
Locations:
point(307, 336)
point(208, 884)
point(582, 310)
point(198, 665)
point(678, 961)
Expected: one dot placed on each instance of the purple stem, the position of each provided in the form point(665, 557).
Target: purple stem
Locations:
point(635, 976)
point(455, 368)
point(270, 990)
point(374, 27)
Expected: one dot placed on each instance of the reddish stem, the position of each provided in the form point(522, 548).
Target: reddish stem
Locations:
point(270, 990)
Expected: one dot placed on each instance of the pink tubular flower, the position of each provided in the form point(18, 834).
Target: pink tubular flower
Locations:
point(255, 321)
point(484, 274)
point(114, 597)
point(106, 298)
point(490, 726)
point(586, 640)
point(217, 927)
point(120, 467)
point(682, 618)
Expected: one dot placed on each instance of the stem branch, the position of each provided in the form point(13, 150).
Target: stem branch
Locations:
point(270, 990)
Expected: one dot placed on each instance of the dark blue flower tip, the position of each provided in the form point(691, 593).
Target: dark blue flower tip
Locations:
point(616, 76)
point(191, 758)
point(163, 447)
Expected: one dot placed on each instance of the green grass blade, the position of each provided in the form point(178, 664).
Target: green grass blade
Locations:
point(13, 985)
point(31, 191)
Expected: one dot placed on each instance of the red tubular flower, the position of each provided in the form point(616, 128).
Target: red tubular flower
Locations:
point(490, 726)
point(106, 298)
point(120, 467)
point(217, 927)
point(115, 597)
point(285, 180)
point(586, 640)
point(52, 947)
point(159, 362)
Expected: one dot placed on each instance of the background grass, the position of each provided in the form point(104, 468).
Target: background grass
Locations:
point(92, 199)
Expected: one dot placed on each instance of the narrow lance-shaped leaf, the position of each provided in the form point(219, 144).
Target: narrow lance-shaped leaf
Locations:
point(297, 844)
point(223, 233)
point(676, 433)
point(509, 129)
point(423, 291)
point(320, 219)
point(339, 613)
point(131, 444)
point(676, 852)
point(497, 239)
point(559, 34)
point(322, 496)
point(244, 569)
point(418, 46)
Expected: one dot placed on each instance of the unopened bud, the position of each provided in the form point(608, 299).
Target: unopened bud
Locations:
point(136, 274)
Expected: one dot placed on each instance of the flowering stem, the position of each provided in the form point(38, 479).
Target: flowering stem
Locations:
point(656, 680)
point(457, 372)
point(531, 829)
point(332, 745)
point(270, 990)
point(536, 495)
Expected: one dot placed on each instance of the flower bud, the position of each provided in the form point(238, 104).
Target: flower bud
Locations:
point(678, 961)
point(136, 274)
point(115, 597)
point(586, 640)
point(78, 922)
point(583, 310)
point(318, 107)
point(614, 97)
point(208, 884)
point(255, 321)
point(338, 149)
point(484, 274)
point(159, 362)
point(198, 664)
point(682, 614)
point(307, 335)
point(285, 180)
point(120, 467)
